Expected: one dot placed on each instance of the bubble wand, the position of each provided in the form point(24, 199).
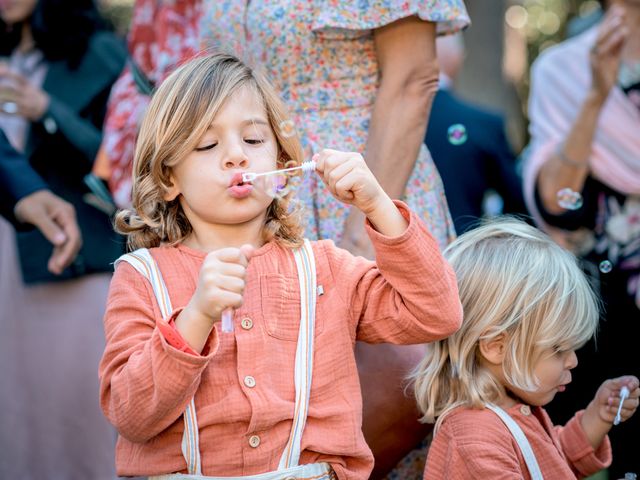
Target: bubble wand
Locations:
point(227, 313)
point(624, 394)
point(305, 167)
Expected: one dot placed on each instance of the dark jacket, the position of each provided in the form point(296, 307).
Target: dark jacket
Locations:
point(469, 169)
point(62, 146)
point(17, 178)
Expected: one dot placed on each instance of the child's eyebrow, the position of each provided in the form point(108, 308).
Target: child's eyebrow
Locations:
point(254, 121)
point(244, 123)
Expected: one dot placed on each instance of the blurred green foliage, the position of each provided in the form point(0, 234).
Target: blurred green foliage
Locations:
point(547, 22)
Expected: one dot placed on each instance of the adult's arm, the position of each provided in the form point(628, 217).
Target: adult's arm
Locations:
point(25, 199)
point(408, 82)
point(17, 179)
point(569, 166)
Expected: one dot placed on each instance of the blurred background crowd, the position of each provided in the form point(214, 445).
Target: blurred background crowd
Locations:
point(537, 113)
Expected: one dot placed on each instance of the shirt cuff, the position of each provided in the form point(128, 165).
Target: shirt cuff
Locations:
point(408, 215)
point(172, 336)
point(580, 452)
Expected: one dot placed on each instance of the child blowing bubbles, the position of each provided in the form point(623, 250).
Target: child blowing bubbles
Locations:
point(279, 397)
point(527, 308)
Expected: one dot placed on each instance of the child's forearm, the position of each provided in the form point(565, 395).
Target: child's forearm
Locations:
point(594, 426)
point(194, 327)
point(387, 219)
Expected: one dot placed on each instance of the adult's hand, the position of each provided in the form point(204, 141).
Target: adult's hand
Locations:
point(18, 96)
point(606, 53)
point(56, 219)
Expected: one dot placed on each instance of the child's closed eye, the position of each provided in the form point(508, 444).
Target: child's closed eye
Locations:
point(206, 147)
point(254, 141)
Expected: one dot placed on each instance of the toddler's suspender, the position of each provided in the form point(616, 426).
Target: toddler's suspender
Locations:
point(521, 439)
point(143, 262)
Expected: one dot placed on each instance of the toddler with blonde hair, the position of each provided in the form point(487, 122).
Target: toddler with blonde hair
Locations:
point(527, 308)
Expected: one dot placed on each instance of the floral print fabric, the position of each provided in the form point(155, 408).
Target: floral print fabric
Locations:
point(320, 55)
point(163, 34)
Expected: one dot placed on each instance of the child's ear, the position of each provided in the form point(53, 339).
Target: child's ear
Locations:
point(172, 191)
point(494, 349)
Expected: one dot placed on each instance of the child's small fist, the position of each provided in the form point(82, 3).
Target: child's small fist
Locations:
point(349, 179)
point(221, 281)
point(608, 398)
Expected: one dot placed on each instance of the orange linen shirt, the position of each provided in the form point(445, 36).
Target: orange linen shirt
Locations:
point(410, 296)
point(476, 444)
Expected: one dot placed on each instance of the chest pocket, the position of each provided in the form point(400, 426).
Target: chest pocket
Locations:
point(280, 301)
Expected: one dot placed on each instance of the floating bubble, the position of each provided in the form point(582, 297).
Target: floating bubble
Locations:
point(457, 134)
point(569, 200)
point(287, 128)
point(292, 164)
point(605, 266)
point(275, 186)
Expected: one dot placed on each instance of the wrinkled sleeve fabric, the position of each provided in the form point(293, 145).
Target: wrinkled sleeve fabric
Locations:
point(145, 383)
point(409, 296)
point(583, 458)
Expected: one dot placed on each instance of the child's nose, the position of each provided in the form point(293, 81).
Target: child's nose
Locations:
point(235, 158)
point(238, 162)
point(572, 360)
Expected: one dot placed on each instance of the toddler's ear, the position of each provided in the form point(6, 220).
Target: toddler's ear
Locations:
point(493, 350)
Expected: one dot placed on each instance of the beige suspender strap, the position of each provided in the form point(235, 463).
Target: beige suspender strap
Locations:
point(521, 440)
point(306, 265)
point(144, 263)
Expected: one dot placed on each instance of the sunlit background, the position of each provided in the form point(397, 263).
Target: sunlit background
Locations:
point(505, 38)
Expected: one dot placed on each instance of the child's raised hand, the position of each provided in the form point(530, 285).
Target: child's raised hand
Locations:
point(598, 417)
point(221, 282)
point(349, 179)
point(607, 398)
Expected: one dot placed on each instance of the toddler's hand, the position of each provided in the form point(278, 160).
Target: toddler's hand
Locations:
point(221, 282)
point(607, 398)
point(349, 179)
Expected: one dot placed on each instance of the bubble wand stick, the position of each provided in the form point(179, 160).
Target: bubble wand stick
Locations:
point(305, 167)
point(624, 394)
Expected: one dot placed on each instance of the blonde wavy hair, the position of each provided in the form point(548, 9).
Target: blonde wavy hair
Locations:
point(179, 114)
point(513, 280)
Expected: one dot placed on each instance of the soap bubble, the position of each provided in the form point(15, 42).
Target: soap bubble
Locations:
point(605, 266)
point(457, 134)
point(275, 186)
point(292, 164)
point(287, 128)
point(569, 200)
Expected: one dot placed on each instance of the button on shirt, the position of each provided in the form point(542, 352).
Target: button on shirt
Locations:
point(146, 382)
